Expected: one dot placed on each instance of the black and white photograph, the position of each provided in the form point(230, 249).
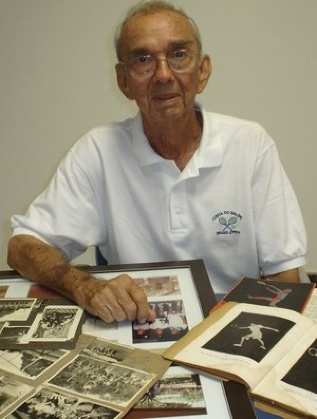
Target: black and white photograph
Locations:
point(47, 404)
point(57, 323)
point(160, 286)
point(30, 363)
point(12, 309)
point(250, 335)
point(107, 351)
point(170, 323)
point(178, 388)
point(100, 380)
point(303, 374)
point(13, 334)
point(11, 391)
point(271, 293)
point(33, 323)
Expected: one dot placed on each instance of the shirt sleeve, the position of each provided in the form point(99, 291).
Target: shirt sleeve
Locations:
point(280, 230)
point(59, 215)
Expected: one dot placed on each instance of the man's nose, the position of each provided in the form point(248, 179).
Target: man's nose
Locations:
point(163, 72)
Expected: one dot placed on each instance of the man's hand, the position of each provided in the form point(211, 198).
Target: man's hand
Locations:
point(117, 299)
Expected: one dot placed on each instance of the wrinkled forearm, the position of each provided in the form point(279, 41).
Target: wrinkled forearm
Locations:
point(117, 299)
point(46, 265)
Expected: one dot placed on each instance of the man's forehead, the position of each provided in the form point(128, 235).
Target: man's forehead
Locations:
point(162, 27)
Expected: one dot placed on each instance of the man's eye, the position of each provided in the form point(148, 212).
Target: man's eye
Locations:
point(179, 54)
point(143, 59)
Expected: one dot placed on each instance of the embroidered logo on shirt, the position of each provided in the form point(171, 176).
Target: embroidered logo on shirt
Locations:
point(228, 221)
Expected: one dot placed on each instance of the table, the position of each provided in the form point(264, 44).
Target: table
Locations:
point(235, 394)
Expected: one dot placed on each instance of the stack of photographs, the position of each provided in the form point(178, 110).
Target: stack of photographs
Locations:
point(37, 323)
point(99, 379)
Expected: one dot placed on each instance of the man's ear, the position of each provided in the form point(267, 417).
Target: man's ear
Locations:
point(205, 69)
point(122, 81)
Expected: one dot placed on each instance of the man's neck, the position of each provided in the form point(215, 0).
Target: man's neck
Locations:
point(175, 140)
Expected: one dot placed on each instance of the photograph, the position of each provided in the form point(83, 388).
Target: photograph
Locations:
point(12, 309)
point(160, 286)
point(177, 389)
point(56, 323)
point(107, 351)
point(303, 374)
point(251, 335)
point(13, 334)
point(170, 323)
point(100, 380)
point(47, 404)
point(271, 293)
point(11, 391)
point(30, 363)
point(34, 322)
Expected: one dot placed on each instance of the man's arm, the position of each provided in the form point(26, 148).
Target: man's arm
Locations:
point(117, 299)
point(291, 275)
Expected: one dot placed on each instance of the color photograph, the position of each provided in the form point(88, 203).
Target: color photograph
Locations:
point(177, 389)
point(170, 323)
point(160, 286)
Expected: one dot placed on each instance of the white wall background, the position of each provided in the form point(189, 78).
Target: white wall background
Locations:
point(57, 81)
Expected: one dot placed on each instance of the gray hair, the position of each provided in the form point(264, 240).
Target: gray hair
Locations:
point(147, 7)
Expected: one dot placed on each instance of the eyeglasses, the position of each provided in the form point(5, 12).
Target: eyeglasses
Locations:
point(144, 65)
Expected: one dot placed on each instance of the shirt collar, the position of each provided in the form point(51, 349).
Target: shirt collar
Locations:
point(209, 153)
point(211, 149)
point(141, 146)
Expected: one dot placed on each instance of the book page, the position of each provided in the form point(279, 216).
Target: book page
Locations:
point(293, 381)
point(241, 341)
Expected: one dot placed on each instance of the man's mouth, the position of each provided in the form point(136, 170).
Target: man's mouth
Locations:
point(165, 96)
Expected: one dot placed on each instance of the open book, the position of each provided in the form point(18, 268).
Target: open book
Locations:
point(271, 350)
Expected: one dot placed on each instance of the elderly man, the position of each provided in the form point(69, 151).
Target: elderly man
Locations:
point(173, 183)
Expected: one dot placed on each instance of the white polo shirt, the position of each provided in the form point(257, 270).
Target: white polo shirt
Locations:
point(232, 205)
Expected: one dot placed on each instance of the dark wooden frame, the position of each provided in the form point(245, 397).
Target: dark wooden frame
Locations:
point(236, 394)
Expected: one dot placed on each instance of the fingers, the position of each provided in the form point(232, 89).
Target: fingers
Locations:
point(115, 300)
point(107, 306)
point(143, 311)
point(131, 298)
point(151, 316)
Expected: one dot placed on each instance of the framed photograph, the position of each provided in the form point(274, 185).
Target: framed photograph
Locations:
point(181, 294)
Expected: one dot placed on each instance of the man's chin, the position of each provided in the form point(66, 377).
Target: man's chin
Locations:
point(168, 109)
